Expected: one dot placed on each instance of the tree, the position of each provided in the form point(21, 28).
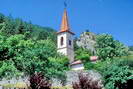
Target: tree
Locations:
point(130, 48)
point(2, 18)
point(31, 48)
point(107, 47)
point(116, 77)
point(8, 69)
point(82, 54)
point(57, 67)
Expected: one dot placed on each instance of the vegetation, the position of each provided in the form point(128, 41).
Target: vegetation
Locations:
point(116, 77)
point(8, 69)
point(117, 73)
point(10, 26)
point(82, 54)
point(37, 81)
point(107, 47)
point(130, 48)
point(86, 83)
point(26, 48)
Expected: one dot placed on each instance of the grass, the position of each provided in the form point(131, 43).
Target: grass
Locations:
point(24, 85)
point(17, 85)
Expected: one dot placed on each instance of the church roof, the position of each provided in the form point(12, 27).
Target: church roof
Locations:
point(65, 24)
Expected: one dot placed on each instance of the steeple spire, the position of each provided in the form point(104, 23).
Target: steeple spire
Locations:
point(65, 38)
point(65, 23)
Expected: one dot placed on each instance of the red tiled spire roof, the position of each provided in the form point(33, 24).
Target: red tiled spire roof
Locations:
point(65, 24)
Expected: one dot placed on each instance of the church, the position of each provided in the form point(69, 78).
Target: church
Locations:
point(65, 44)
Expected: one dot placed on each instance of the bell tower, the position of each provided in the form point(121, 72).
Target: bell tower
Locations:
point(65, 39)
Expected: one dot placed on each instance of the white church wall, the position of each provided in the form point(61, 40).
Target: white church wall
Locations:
point(77, 67)
point(66, 48)
point(62, 51)
point(59, 40)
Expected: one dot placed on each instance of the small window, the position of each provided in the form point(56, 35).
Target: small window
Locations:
point(62, 41)
point(70, 42)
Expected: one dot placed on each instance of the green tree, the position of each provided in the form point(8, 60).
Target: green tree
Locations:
point(8, 70)
point(82, 54)
point(107, 47)
point(130, 48)
point(116, 77)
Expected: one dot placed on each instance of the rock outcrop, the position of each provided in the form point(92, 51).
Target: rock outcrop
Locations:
point(87, 41)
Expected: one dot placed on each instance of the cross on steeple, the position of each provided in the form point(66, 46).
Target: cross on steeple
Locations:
point(65, 37)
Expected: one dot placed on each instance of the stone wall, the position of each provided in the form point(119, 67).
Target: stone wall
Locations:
point(72, 76)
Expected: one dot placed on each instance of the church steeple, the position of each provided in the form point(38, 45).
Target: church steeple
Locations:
point(65, 23)
point(65, 38)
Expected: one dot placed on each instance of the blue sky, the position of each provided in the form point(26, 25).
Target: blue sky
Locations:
point(100, 16)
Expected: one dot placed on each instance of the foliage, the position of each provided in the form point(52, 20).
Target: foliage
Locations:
point(117, 73)
point(10, 26)
point(130, 48)
point(86, 83)
point(31, 48)
point(31, 56)
point(57, 66)
point(125, 62)
point(107, 47)
point(8, 70)
point(82, 54)
point(116, 77)
point(38, 81)
point(76, 47)
point(89, 65)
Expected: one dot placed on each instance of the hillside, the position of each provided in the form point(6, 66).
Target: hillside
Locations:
point(26, 48)
point(10, 26)
point(30, 50)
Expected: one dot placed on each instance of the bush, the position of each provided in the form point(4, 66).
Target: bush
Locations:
point(116, 76)
point(89, 65)
point(83, 54)
point(38, 81)
point(8, 70)
point(57, 67)
point(126, 62)
point(86, 83)
point(117, 73)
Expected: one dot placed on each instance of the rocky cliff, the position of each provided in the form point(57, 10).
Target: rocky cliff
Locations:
point(87, 41)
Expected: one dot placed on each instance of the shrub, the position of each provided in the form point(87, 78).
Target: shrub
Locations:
point(116, 76)
point(8, 69)
point(82, 54)
point(117, 73)
point(37, 81)
point(86, 83)
point(89, 65)
point(126, 62)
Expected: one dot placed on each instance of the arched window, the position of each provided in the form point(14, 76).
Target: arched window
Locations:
point(62, 41)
